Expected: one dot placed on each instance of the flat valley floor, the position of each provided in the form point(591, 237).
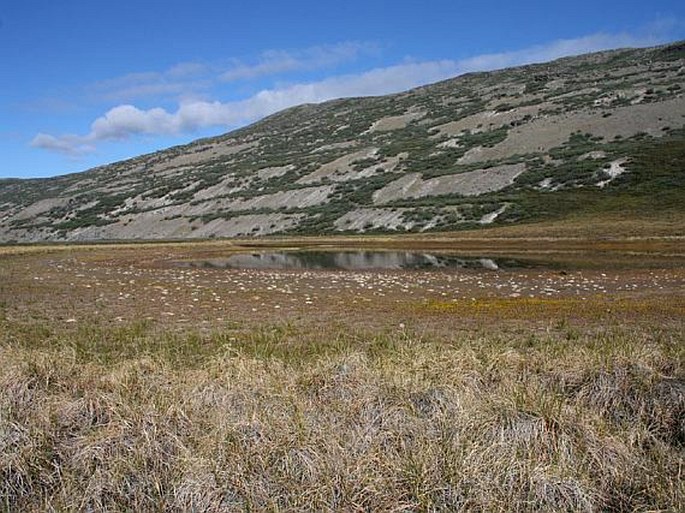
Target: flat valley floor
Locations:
point(137, 376)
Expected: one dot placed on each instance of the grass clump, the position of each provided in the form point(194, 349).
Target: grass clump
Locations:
point(293, 419)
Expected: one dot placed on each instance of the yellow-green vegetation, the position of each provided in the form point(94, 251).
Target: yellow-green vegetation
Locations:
point(592, 309)
point(129, 384)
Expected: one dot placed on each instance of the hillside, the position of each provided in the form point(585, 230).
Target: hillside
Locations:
point(602, 134)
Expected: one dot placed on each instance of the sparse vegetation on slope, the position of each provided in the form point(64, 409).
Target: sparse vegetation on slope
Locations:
point(582, 127)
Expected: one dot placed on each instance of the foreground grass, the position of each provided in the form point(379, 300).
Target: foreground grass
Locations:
point(290, 419)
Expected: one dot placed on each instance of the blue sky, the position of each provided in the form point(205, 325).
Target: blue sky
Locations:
point(86, 83)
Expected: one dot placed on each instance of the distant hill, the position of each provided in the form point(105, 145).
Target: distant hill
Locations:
point(595, 133)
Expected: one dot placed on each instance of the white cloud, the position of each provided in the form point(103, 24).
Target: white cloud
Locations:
point(125, 121)
point(375, 82)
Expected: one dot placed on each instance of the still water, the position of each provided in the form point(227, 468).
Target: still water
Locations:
point(356, 260)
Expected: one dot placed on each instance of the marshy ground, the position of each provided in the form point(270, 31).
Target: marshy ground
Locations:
point(134, 379)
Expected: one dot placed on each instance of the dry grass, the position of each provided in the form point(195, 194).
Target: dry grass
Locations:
point(593, 309)
point(272, 420)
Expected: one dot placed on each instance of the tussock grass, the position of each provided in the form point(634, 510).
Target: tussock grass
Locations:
point(295, 419)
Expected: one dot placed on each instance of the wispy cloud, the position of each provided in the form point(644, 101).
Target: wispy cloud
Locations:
point(275, 62)
point(557, 49)
point(182, 79)
point(71, 145)
point(126, 120)
point(192, 79)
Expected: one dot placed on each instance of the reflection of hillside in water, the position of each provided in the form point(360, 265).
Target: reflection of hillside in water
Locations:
point(355, 260)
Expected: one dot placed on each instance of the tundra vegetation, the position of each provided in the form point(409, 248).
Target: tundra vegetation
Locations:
point(133, 382)
point(143, 376)
point(591, 134)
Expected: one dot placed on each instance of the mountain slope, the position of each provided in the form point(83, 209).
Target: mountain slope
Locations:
point(600, 131)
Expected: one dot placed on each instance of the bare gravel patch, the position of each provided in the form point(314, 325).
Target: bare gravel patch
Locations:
point(471, 183)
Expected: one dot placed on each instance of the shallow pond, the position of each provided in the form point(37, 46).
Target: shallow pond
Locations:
point(358, 260)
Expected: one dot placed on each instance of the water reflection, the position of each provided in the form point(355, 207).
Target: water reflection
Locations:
point(355, 260)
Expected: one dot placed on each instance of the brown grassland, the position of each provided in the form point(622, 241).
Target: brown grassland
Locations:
point(132, 383)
